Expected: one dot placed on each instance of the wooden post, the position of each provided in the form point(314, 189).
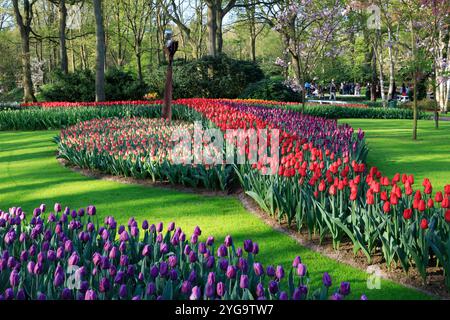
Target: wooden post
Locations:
point(170, 51)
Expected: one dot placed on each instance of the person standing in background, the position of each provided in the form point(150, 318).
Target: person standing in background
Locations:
point(333, 90)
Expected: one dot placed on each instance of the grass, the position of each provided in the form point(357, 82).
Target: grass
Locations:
point(392, 149)
point(30, 175)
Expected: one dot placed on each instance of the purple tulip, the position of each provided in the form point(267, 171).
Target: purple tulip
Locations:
point(120, 277)
point(163, 269)
point(144, 225)
point(57, 207)
point(90, 295)
point(283, 295)
point(192, 257)
point(260, 291)
point(159, 227)
point(91, 210)
point(196, 293)
point(301, 270)
point(326, 280)
point(228, 241)
point(154, 271)
point(151, 289)
point(210, 241)
point(123, 292)
point(243, 265)
point(124, 260)
point(231, 272)
point(104, 285)
point(59, 279)
point(364, 297)
point(202, 247)
point(279, 272)
point(273, 287)
point(248, 246)
point(221, 289)
point(296, 262)
point(197, 231)
point(186, 287)
point(14, 279)
point(258, 268)
point(74, 259)
point(9, 294)
point(223, 264)
point(243, 283)
point(192, 276)
point(21, 294)
point(344, 289)
point(255, 248)
point(66, 294)
point(222, 251)
point(337, 296)
point(41, 296)
point(210, 262)
point(171, 227)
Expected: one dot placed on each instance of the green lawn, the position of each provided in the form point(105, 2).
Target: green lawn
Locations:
point(30, 175)
point(392, 149)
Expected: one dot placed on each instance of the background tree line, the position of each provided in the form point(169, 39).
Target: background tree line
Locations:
point(383, 43)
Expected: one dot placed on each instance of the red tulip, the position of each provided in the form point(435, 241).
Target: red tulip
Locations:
point(421, 206)
point(447, 216)
point(430, 203)
point(447, 189)
point(407, 214)
point(417, 195)
point(438, 198)
point(424, 224)
point(369, 197)
point(445, 203)
point(383, 196)
point(386, 207)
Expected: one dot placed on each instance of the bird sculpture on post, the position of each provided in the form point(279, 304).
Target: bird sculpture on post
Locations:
point(170, 49)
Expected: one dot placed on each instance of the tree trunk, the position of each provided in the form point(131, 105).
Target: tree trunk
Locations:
point(212, 28)
point(373, 91)
point(219, 31)
point(28, 89)
point(24, 24)
point(100, 52)
point(62, 36)
point(391, 68)
point(413, 48)
point(139, 66)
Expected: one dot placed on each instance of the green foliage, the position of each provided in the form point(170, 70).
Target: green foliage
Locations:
point(71, 87)
point(121, 85)
point(271, 89)
point(15, 95)
point(34, 118)
point(208, 77)
point(337, 112)
point(79, 86)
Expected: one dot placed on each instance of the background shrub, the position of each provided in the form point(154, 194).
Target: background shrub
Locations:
point(208, 77)
point(79, 86)
point(271, 89)
point(121, 85)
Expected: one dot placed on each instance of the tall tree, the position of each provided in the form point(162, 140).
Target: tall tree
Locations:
point(24, 24)
point(100, 52)
point(138, 13)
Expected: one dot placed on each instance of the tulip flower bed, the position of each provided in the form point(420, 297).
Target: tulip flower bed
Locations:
point(139, 148)
point(68, 255)
point(323, 185)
